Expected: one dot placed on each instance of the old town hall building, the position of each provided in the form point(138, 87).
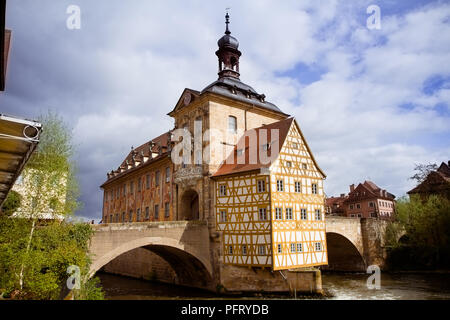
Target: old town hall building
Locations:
point(267, 214)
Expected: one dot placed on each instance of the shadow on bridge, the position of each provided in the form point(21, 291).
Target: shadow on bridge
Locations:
point(343, 255)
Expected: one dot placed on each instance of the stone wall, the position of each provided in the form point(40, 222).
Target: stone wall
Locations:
point(142, 264)
point(236, 279)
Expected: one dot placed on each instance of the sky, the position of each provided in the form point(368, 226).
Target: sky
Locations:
point(371, 103)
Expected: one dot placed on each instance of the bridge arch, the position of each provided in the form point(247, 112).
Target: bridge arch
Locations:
point(189, 265)
point(343, 254)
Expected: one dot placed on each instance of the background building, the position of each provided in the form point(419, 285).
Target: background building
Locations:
point(367, 200)
point(437, 183)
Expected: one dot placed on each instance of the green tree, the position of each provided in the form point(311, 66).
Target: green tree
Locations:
point(36, 256)
point(11, 204)
point(426, 224)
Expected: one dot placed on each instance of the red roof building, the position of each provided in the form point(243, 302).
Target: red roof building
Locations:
point(437, 182)
point(367, 200)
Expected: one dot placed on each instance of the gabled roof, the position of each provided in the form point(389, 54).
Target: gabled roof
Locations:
point(234, 89)
point(436, 181)
point(444, 169)
point(368, 190)
point(180, 104)
point(231, 165)
point(136, 158)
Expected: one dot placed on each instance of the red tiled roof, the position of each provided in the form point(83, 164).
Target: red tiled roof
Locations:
point(144, 149)
point(137, 154)
point(232, 167)
point(436, 181)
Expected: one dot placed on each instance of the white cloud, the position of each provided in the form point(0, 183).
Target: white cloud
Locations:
point(117, 78)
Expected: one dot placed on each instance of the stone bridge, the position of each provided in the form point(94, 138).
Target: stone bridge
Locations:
point(355, 243)
point(192, 251)
point(185, 246)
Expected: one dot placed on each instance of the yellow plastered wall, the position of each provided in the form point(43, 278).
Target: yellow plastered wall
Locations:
point(243, 230)
point(295, 164)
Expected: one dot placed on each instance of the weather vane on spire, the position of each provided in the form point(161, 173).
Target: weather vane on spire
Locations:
point(227, 22)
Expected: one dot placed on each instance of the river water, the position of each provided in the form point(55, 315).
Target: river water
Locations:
point(340, 286)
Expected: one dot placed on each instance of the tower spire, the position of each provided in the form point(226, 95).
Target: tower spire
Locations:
point(228, 53)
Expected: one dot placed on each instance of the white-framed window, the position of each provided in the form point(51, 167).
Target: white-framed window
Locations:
point(232, 124)
point(223, 190)
point(262, 214)
point(318, 215)
point(289, 214)
point(230, 249)
point(261, 250)
point(318, 246)
point(299, 247)
point(293, 248)
point(373, 214)
point(371, 204)
point(352, 216)
point(351, 207)
point(359, 215)
point(298, 187)
point(358, 206)
point(261, 186)
point(304, 166)
point(279, 213)
point(314, 188)
point(223, 216)
point(244, 250)
point(295, 145)
point(279, 248)
point(280, 186)
point(303, 214)
point(289, 164)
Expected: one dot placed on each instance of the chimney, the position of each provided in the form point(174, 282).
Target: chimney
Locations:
point(352, 188)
